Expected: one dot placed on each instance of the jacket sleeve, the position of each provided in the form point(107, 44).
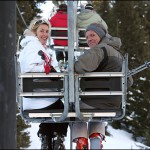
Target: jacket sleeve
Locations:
point(101, 21)
point(89, 61)
point(30, 61)
point(52, 20)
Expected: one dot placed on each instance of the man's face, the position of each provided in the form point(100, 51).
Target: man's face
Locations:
point(92, 38)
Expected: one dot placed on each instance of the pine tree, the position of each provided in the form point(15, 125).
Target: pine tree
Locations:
point(23, 138)
point(132, 31)
point(29, 10)
point(104, 10)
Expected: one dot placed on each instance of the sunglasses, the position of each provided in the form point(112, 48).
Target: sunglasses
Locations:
point(39, 22)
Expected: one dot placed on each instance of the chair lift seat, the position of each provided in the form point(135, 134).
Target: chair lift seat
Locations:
point(103, 92)
point(42, 85)
point(82, 40)
point(106, 84)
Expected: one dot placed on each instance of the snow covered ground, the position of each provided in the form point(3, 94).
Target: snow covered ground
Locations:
point(119, 139)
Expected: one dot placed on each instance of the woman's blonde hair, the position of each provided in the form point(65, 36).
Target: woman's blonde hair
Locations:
point(28, 32)
point(36, 22)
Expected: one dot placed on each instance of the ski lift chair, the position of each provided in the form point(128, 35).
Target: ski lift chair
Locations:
point(102, 88)
point(52, 85)
point(99, 87)
point(59, 33)
point(40, 85)
point(105, 91)
point(82, 44)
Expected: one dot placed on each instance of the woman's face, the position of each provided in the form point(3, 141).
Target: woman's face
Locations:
point(92, 38)
point(42, 33)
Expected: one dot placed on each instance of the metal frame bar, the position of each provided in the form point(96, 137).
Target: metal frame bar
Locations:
point(102, 74)
point(124, 87)
point(40, 94)
point(102, 93)
point(73, 114)
point(71, 31)
point(65, 38)
point(42, 75)
point(62, 28)
point(65, 48)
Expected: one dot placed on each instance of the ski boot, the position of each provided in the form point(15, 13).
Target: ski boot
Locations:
point(45, 142)
point(57, 142)
point(96, 141)
point(82, 143)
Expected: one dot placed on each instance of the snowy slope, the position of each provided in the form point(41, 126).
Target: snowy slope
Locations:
point(119, 140)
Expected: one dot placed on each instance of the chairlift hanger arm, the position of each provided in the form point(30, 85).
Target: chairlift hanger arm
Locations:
point(139, 69)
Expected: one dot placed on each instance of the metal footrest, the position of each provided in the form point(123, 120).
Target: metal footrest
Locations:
point(73, 114)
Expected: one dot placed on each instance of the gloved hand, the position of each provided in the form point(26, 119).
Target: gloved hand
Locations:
point(66, 65)
point(62, 65)
point(47, 61)
point(47, 68)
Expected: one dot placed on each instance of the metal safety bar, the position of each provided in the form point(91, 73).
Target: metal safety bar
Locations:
point(72, 114)
point(71, 31)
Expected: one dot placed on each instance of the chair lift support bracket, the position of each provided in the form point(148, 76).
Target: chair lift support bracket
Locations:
point(139, 69)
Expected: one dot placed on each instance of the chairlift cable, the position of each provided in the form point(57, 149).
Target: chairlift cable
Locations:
point(21, 15)
point(19, 34)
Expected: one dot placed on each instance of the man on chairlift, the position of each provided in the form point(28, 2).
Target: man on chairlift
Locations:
point(103, 56)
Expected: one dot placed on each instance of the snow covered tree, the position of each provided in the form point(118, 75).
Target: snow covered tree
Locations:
point(23, 138)
point(134, 35)
point(57, 3)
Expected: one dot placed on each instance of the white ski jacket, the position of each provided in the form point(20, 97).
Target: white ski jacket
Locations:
point(30, 61)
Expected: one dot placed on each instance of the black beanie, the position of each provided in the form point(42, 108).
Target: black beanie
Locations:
point(62, 7)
